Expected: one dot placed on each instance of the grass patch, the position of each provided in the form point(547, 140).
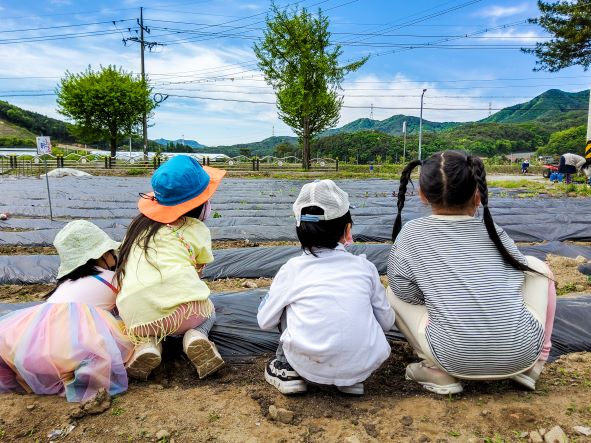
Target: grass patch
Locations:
point(136, 171)
point(533, 188)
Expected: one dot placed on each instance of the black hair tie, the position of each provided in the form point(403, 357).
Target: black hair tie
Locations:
point(147, 197)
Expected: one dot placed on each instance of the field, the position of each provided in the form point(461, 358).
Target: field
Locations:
point(8, 129)
point(233, 406)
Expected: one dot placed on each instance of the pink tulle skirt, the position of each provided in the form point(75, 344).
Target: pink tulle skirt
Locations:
point(63, 348)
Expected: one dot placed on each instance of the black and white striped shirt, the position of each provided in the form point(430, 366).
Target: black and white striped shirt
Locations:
point(478, 323)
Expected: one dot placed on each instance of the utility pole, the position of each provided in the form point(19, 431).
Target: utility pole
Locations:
point(142, 49)
point(421, 125)
point(404, 133)
point(143, 43)
point(489, 109)
point(371, 112)
point(588, 146)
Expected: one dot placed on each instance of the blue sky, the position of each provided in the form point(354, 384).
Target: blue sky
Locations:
point(472, 62)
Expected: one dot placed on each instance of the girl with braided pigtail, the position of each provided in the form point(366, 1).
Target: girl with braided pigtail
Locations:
point(469, 303)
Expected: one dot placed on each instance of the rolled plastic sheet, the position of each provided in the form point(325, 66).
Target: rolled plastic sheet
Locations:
point(239, 339)
point(251, 262)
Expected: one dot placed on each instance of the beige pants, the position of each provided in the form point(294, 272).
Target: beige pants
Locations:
point(412, 320)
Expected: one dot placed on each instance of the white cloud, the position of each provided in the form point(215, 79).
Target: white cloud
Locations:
point(402, 95)
point(514, 36)
point(503, 11)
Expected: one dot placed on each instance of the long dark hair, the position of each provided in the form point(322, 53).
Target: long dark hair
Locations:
point(141, 231)
point(88, 269)
point(323, 233)
point(450, 179)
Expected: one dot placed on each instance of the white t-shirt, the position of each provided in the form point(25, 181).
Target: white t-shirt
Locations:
point(88, 290)
point(336, 312)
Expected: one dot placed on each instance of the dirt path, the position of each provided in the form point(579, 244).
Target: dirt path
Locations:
point(233, 406)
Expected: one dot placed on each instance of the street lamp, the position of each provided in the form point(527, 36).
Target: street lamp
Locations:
point(421, 124)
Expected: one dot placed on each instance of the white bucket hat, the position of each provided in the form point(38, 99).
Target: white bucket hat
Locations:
point(326, 195)
point(78, 242)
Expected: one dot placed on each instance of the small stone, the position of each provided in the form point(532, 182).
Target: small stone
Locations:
point(406, 420)
point(523, 434)
point(424, 439)
point(582, 430)
point(156, 386)
point(371, 430)
point(352, 439)
point(249, 284)
point(3, 216)
point(30, 407)
point(280, 414)
point(315, 429)
point(484, 412)
point(542, 431)
point(162, 434)
point(95, 405)
point(535, 437)
point(555, 435)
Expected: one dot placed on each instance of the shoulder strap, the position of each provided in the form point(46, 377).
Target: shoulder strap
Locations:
point(102, 280)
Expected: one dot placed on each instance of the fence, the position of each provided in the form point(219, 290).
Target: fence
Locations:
point(27, 164)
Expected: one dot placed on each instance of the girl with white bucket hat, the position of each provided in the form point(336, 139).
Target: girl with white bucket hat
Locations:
point(71, 345)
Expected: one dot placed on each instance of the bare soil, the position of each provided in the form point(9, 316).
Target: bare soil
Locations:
point(27, 250)
point(568, 279)
point(232, 406)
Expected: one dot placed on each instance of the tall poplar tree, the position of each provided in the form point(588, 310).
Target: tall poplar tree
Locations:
point(300, 63)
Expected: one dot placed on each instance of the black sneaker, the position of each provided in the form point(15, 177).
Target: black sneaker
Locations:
point(284, 378)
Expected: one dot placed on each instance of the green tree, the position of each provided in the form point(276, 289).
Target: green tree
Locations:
point(245, 152)
point(300, 63)
point(104, 104)
point(569, 23)
point(561, 142)
point(285, 149)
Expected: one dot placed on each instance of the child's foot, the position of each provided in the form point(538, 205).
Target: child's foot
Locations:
point(529, 378)
point(146, 357)
point(356, 389)
point(433, 379)
point(284, 378)
point(202, 352)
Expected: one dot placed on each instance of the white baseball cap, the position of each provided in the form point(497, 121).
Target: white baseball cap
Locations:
point(324, 194)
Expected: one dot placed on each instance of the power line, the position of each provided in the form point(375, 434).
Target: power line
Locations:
point(360, 107)
point(65, 26)
point(56, 37)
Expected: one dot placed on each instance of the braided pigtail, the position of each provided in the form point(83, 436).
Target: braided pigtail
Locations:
point(480, 175)
point(404, 179)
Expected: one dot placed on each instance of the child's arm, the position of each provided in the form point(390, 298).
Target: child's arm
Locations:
point(382, 311)
point(274, 303)
point(401, 279)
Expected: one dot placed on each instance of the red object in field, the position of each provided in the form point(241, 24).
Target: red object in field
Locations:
point(549, 169)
